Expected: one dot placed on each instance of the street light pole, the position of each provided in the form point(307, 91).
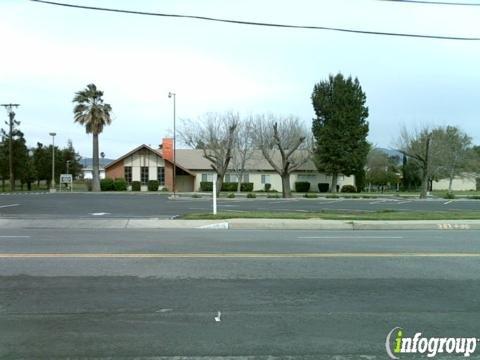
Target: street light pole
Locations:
point(68, 165)
point(52, 188)
point(170, 94)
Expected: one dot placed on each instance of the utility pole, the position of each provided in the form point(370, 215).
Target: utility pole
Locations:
point(11, 124)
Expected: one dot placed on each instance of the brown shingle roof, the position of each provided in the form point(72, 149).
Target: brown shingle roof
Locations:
point(193, 159)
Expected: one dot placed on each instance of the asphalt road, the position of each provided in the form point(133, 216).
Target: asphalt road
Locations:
point(143, 294)
point(84, 205)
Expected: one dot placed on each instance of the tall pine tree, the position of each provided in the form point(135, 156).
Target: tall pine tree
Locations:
point(340, 127)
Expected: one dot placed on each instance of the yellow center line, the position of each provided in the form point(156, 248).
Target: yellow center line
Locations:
point(229, 255)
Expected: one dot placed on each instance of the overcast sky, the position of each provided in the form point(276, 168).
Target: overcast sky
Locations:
point(49, 52)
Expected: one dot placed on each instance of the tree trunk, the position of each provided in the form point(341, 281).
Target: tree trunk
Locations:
point(424, 190)
point(95, 166)
point(219, 183)
point(286, 193)
point(334, 183)
point(239, 182)
point(450, 181)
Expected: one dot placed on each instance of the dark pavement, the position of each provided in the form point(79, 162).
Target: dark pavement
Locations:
point(83, 205)
point(289, 307)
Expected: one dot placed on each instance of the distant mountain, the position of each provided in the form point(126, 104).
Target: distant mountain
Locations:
point(88, 162)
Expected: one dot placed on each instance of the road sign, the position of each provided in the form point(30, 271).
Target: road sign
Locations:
point(67, 180)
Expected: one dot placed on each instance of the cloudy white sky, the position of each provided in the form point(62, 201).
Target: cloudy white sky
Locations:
point(49, 53)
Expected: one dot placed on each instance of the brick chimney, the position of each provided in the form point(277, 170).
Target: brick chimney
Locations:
point(167, 148)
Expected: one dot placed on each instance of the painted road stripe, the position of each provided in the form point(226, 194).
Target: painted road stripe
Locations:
point(448, 202)
point(15, 236)
point(350, 237)
point(11, 205)
point(233, 255)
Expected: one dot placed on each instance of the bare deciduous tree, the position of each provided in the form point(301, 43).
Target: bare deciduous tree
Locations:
point(243, 148)
point(452, 152)
point(285, 143)
point(440, 152)
point(214, 134)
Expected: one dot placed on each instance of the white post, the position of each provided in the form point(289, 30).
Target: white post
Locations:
point(214, 188)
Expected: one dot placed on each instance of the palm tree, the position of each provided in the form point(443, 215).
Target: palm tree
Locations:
point(94, 114)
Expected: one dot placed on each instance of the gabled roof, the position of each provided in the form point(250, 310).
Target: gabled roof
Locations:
point(156, 152)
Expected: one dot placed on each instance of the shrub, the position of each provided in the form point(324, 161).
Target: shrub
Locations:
point(251, 195)
point(449, 195)
point(267, 187)
point(153, 185)
point(323, 187)
point(273, 196)
point(229, 186)
point(164, 189)
point(348, 189)
point(107, 184)
point(196, 196)
point(231, 195)
point(120, 184)
point(332, 196)
point(247, 187)
point(136, 186)
point(206, 186)
point(302, 186)
point(310, 196)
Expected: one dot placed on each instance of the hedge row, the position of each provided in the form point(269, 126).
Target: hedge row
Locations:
point(226, 186)
point(118, 184)
point(121, 184)
point(300, 186)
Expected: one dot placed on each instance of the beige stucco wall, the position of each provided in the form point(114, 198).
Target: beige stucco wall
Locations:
point(137, 160)
point(276, 181)
point(459, 184)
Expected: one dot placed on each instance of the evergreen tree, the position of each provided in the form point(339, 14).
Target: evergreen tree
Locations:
point(340, 127)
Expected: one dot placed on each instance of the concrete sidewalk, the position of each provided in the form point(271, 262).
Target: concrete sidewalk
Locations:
point(234, 224)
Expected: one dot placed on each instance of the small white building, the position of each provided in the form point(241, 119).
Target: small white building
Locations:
point(88, 172)
point(465, 182)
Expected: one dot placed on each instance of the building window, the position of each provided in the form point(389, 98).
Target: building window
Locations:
point(144, 175)
point(207, 177)
point(128, 174)
point(161, 175)
point(231, 178)
point(266, 179)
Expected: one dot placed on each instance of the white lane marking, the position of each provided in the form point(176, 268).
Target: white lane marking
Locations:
point(217, 318)
point(14, 236)
point(448, 202)
point(350, 237)
point(234, 210)
point(227, 205)
point(11, 205)
point(331, 202)
point(163, 310)
point(302, 210)
point(404, 202)
point(236, 255)
point(100, 213)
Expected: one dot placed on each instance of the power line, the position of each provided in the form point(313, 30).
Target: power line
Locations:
point(433, 2)
point(252, 23)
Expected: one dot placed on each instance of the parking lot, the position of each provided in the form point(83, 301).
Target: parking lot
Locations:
point(148, 205)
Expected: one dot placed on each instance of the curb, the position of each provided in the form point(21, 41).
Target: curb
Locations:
point(239, 224)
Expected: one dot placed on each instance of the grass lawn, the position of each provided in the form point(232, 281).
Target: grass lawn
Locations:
point(331, 215)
